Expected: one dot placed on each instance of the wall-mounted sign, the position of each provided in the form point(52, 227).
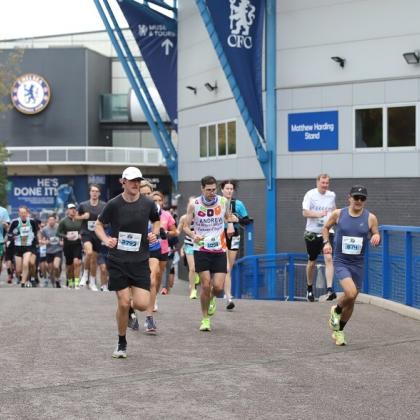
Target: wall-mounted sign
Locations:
point(30, 93)
point(313, 131)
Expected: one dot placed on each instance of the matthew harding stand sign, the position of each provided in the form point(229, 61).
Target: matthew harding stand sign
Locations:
point(313, 131)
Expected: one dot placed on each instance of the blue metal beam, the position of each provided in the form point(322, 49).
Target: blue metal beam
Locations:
point(259, 144)
point(147, 105)
point(271, 126)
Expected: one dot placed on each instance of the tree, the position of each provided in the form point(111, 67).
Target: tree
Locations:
point(9, 69)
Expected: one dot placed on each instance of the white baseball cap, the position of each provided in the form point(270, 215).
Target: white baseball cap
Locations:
point(131, 173)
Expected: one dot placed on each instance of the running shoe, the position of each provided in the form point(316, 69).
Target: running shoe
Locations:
point(197, 279)
point(193, 294)
point(57, 284)
point(150, 325)
point(334, 321)
point(328, 296)
point(84, 279)
point(93, 287)
point(205, 324)
point(230, 305)
point(133, 322)
point(104, 288)
point(339, 337)
point(120, 352)
point(310, 296)
point(164, 291)
point(28, 284)
point(212, 306)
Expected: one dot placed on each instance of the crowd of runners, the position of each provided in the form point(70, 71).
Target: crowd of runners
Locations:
point(132, 242)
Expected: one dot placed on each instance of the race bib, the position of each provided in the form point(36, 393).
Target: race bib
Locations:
point(72, 235)
point(43, 251)
point(129, 241)
point(91, 225)
point(212, 244)
point(351, 245)
point(24, 230)
point(236, 240)
point(54, 240)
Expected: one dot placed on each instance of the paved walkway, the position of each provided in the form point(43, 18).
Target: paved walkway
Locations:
point(265, 360)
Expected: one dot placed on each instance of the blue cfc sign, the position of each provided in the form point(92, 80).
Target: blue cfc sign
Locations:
point(313, 131)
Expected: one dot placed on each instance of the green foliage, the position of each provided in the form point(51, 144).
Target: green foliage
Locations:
point(9, 70)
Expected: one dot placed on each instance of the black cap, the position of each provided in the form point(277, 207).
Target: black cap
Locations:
point(358, 190)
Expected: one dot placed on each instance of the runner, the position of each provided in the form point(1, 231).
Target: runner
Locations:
point(209, 212)
point(4, 227)
point(354, 225)
point(69, 230)
point(88, 212)
point(54, 251)
point(23, 232)
point(239, 217)
point(317, 206)
point(127, 215)
point(188, 249)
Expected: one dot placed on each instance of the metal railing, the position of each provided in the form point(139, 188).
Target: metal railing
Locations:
point(79, 155)
point(392, 271)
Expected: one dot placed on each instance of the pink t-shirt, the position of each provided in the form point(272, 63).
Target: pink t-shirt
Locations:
point(166, 222)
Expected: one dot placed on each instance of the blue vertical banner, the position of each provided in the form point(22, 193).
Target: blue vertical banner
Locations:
point(239, 25)
point(157, 37)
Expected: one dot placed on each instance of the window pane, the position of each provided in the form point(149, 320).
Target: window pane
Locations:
point(221, 137)
point(148, 139)
point(402, 126)
point(203, 142)
point(369, 127)
point(125, 138)
point(231, 138)
point(212, 140)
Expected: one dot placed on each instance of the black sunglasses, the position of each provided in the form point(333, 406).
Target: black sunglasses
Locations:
point(359, 198)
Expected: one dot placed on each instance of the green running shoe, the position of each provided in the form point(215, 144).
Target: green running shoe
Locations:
point(212, 306)
point(334, 321)
point(205, 324)
point(339, 337)
point(197, 279)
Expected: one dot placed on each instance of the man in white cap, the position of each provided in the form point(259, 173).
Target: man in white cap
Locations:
point(126, 217)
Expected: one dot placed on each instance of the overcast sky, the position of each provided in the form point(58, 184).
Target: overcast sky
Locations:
point(29, 18)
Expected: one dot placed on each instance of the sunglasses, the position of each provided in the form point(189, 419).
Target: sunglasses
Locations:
point(359, 198)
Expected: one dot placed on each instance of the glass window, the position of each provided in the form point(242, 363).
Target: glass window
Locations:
point(203, 142)
point(212, 140)
point(148, 140)
point(369, 129)
point(401, 126)
point(127, 138)
point(231, 129)
point(221, 139)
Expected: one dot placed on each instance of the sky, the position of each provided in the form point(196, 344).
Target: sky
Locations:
point(31, 18)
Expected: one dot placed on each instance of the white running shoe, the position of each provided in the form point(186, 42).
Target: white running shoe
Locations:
point(104, 288)
point(84, 279)
point(93, 287)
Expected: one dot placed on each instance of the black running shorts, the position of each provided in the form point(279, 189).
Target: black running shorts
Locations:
point(72, 251)
point(215, 262)
point(128, 274)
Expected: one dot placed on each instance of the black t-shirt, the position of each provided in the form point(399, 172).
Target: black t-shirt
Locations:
point(128, 223)
point(88, 226)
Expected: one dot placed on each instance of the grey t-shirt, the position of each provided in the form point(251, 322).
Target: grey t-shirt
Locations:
point(53, 245)
point(88, 226)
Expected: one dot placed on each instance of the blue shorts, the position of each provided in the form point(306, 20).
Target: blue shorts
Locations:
point(353, 271)
point(189, 250)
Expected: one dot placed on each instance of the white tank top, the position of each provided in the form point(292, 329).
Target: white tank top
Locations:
point(209, 222)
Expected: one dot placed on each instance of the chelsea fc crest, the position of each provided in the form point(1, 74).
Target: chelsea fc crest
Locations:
point(30, 93)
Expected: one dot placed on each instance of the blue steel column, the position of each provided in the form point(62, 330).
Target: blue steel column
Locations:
point(271, 127)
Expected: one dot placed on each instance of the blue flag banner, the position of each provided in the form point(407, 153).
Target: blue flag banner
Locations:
point(313, 131)
point(156, 36)
point(239, 26)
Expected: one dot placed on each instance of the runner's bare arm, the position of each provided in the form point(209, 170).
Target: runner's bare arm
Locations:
point(375, 239)
point(100, 233)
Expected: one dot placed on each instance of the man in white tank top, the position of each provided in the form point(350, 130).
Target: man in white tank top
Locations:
point(209, 212)
point(317, 206)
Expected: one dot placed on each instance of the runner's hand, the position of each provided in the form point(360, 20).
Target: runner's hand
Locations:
point(111, 242)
